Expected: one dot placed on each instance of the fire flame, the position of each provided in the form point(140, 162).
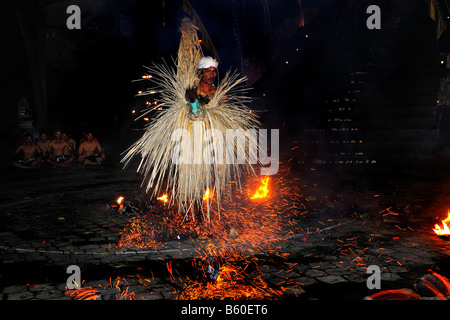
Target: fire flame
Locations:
point(445, 230)
point(208, 194)
point(119, 200)
point(263, 189)
point(164, 198)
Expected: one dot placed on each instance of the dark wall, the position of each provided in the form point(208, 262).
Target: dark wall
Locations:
point(14, 70)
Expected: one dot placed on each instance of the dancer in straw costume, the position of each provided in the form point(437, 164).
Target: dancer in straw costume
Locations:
point(184, 147)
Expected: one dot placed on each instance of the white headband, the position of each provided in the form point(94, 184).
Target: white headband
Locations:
point(207, 62)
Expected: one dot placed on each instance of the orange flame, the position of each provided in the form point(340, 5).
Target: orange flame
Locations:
point(164, 198)
point(263, 189)
point(445, 230)
point(208, 194)
point(119, 200)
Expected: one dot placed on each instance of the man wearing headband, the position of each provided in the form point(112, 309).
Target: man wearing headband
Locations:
point(182, 150)
point(200, 96)
point(207, 67)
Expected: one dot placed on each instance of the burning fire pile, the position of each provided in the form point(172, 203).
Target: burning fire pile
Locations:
point(432, 285)
point(445, 230)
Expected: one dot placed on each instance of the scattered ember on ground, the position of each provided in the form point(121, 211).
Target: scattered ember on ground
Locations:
point(249, 220)
point(85, 293)
point(233, 283)
point(244, 220)
point(116, 290)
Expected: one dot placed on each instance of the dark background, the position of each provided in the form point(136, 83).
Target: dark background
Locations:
point(340, 94)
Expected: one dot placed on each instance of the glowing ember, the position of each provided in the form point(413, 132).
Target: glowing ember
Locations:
point(232, 283)
point(246, 227)
point(400, 294)
point(87, 293)
point(249, 223)
point(140, 233)
point(263, 189)
point(163, 198)
point(438, 284)
point(445, 231)
point(116, 290)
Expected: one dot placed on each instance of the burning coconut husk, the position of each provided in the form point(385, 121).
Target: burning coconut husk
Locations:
point(396, 294)
point(123, 205)
point(433, 285)
point(429, 286)
point(212, 268)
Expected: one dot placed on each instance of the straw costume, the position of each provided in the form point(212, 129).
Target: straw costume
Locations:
point(183, 149)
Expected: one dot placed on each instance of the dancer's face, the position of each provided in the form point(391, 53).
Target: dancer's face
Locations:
point(209, 75)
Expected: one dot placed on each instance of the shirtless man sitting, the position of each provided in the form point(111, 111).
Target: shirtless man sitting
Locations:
point(30, 154)
point(58, 151)
point(43, 143)
point(71, 143)
point(90, 151)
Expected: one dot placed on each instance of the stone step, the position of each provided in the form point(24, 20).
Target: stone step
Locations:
point(403, 135)
point(355, 105)
point(398, 125)
point(397, 113)
point(377, 152)
point(363, 124)
point(389, 95)
point(378, 135)
point(405, 102)
point(389, 67)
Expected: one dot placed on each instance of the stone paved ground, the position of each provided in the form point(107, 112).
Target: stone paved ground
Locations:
point(53, 218)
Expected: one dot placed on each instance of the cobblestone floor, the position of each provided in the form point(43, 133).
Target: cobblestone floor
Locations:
point(53, 218)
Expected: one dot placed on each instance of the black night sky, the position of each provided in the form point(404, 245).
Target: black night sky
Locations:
point(303, 53)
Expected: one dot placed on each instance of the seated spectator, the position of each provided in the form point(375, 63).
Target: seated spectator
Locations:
point(70, 142)
point(28, 153)
point(90, 151)
point(22, 137)
point(43, 143)
point(58, 155)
